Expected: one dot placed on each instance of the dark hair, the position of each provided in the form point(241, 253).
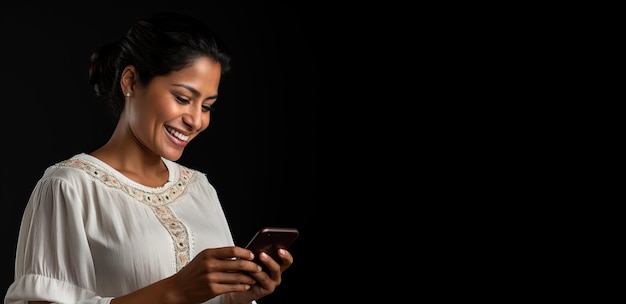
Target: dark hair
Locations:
point(156, 46)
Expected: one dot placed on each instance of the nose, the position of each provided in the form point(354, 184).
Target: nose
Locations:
point(193, 118)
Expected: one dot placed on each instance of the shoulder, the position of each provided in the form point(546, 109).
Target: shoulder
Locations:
point(69, 168)
point(79, 170)
point(62, 179)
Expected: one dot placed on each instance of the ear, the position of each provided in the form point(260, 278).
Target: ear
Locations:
point(128, 79)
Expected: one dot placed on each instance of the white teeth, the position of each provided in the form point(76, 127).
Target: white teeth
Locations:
point(178, 135)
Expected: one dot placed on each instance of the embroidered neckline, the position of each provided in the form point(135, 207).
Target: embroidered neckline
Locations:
point(158, 199)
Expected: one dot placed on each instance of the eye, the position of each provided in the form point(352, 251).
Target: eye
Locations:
point(208, 108)
point(181, 99)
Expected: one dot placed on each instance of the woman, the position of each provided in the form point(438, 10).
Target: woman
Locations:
point(126, 223)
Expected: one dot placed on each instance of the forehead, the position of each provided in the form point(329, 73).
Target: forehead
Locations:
point(203, 74)
point(202, 67)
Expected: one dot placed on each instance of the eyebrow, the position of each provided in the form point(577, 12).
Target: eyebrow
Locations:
point(194, 91)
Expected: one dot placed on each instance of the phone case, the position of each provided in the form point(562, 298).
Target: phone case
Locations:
point(270, 239)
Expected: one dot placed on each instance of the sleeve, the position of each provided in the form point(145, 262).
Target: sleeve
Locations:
point(53, 261)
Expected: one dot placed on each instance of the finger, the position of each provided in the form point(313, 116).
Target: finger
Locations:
point(233, 278)
point(241, 253)
point(243, 265)
point(270, 263)
point(285, 256)
point(230, 252)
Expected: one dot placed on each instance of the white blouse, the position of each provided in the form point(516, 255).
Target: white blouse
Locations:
point(89, 233)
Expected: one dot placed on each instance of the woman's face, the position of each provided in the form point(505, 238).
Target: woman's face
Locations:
point(166, 115)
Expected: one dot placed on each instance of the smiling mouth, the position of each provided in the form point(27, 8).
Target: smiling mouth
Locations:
point(177, 134)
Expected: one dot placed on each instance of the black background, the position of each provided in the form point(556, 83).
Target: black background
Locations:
point(260, 150)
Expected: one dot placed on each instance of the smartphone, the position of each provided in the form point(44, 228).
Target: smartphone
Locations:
point(269, 240)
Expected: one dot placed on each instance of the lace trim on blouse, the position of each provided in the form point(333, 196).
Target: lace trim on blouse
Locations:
point(157, 200)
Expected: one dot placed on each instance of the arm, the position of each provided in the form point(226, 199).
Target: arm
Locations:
point(211, 273)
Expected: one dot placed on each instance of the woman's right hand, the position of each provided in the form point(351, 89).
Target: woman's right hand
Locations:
point(213, 272)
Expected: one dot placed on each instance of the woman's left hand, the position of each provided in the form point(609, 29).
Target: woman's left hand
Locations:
point(266, 282)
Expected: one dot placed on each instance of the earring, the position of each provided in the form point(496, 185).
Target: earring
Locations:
point(128, 94)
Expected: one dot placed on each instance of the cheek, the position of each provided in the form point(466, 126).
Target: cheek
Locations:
point(165, 109)
point(147, 108)
point(206, 120)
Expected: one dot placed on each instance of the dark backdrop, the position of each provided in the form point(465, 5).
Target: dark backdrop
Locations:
point(259, 151)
